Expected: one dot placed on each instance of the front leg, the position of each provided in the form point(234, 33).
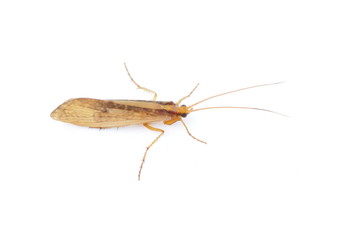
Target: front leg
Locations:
point(178, 118)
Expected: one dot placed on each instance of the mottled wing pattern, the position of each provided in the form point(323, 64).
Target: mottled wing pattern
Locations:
point(109, 113)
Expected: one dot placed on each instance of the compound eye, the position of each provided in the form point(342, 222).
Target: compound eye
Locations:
point(183, 105)
point(184, 115)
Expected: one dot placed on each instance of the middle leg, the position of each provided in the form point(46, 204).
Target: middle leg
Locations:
point(147, 149)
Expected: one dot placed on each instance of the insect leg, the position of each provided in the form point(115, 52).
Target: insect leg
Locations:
point(157, 138)
point(140, 87)
point(189, 132)
point(182, 99)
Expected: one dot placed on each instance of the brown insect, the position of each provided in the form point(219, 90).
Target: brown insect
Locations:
point(96, 113)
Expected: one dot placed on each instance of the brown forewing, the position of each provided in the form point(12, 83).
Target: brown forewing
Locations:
point(112, 113)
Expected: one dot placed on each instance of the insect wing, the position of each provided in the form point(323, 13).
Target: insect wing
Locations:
point(108, 113)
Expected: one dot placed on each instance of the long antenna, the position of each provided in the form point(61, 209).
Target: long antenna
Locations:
point(261, 109)
point(218, 95)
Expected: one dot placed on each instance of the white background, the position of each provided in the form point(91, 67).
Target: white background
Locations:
point(261, 176)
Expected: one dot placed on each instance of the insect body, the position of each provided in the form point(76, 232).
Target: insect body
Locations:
point(97, 113)
point(115, 113)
